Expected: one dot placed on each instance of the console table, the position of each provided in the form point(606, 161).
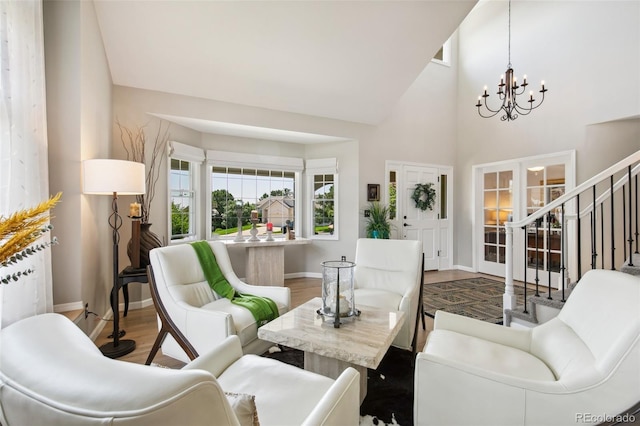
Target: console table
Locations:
point(265, 259)
point(126, 276)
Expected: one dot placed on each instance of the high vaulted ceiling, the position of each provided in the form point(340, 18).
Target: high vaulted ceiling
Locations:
point(347, 60)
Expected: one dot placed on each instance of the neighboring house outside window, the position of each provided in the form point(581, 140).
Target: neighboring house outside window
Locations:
point(184, 166)
point(242, 183)
point(322, 175)
point(277, 209)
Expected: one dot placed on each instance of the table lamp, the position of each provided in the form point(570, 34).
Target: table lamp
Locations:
point(114, 177)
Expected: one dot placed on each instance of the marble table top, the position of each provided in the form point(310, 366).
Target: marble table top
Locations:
point(361, 340)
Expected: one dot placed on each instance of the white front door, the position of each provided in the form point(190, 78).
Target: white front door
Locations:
point(417, 224)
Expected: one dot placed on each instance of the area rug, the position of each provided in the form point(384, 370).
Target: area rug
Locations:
point(479, 298)
point(389, 399)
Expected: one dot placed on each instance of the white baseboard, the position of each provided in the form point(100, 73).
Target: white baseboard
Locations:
point(303, 275)
point(104, 321)
point(66, 307)
point(464, 268)
point(137, 305)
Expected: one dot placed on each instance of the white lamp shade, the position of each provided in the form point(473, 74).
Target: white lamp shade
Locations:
point(108, 176)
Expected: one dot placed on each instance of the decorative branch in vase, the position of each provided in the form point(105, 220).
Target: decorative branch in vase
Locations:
point(135, 143)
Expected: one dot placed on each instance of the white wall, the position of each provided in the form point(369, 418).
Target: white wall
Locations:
point(420, 129)
point(592, 77)
point(79, 127)
point(131, 107)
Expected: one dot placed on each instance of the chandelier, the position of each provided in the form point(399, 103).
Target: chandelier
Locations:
point(508, 92)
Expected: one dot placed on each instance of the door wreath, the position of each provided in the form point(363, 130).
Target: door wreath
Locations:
point(424, 196)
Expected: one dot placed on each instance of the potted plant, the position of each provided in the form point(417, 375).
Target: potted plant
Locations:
point(378, 225)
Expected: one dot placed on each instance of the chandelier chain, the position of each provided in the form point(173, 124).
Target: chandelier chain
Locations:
point(509, 28)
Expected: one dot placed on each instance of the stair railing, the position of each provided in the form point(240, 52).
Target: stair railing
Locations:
point(626, 186)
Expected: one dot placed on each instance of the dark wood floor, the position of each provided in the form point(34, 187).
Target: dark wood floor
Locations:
point(141, 324)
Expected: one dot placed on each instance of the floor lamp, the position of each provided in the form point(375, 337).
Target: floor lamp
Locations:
point(114, 177)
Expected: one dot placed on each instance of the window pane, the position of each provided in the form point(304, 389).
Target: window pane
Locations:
point(182, 200)
point(443, 196)
point(323, 204)
point(236, 192)
point(392, 195)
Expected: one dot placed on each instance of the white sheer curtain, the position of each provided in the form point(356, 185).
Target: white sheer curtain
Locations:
point(23, 146)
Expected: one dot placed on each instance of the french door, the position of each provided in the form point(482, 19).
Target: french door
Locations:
point(512, 190)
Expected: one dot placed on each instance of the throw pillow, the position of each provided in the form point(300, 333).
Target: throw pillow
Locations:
point(244, 406)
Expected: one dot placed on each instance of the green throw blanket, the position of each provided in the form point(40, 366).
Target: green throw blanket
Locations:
point(263, 309)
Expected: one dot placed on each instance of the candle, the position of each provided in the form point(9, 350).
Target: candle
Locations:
point(254, 214)
point(135, 210)
point(269, 226)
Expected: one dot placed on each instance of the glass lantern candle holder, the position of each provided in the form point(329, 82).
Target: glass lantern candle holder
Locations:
point(337, 291)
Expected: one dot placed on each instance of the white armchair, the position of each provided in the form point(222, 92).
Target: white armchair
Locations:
point(388, 274)
point(202, 317)
point(578, 367)
point(51, 373)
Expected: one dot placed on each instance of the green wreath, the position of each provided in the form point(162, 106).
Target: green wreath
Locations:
point(424, 196)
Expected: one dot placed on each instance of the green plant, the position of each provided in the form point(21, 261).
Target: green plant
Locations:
point(378, 225)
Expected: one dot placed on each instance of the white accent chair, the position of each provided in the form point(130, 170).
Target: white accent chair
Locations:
point(51, 373)
point(573, 369)
point(200, 315)
point(388, 274)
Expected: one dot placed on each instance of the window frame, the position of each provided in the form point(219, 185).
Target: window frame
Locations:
point(315, 167)
point(259, 162)
point(194, 156)
point(446, 54)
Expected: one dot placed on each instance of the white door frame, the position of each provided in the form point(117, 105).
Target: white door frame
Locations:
point(397, 166)
point(519, 166)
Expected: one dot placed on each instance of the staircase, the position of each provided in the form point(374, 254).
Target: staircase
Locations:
point(604, 234)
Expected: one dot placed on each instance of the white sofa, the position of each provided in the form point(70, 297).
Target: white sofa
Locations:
point(575, 369)
point(387, 275)
point(204, 318)
point(51, 373)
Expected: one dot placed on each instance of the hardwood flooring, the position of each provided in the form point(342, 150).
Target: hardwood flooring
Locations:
point(141, 324)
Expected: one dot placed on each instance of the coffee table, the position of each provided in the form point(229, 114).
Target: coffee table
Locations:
point(360, 342)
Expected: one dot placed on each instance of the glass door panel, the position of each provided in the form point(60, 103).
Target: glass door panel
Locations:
point(544, 185)
point(498, 209)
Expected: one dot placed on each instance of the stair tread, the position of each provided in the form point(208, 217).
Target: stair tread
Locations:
point(635, 268)
point(555, 302)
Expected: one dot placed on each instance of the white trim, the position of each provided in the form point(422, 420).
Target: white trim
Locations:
point(322, 166)
point(184, 152)
point(66, 307)
point(197, 199)
point(257, 161)
point(446, 54)
point(519, 168)
point(465, 268)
